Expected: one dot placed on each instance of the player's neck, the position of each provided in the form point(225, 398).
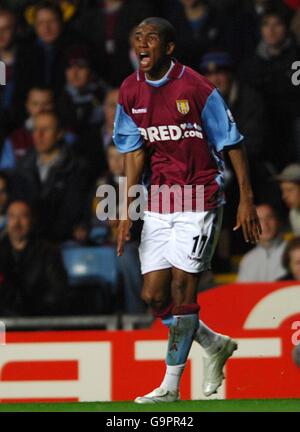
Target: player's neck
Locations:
point(158, 74)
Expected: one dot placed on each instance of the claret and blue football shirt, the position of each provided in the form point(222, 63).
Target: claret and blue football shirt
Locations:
point(184, 124)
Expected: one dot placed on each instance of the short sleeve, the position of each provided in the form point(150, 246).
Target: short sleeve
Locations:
point(126, 135)
point(218, 123)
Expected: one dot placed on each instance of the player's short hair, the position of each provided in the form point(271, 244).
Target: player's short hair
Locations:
point(51, 6)
point(166, 29)
point(291, 246)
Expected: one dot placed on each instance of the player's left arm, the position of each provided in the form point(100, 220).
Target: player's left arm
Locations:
point(222, 133)
point(247, 218)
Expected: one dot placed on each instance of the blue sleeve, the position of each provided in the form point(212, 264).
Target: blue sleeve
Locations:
point(126, 135)
point(218, 123)
point(7, 157)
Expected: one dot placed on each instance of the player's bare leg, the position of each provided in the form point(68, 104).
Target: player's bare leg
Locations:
point(162, 290)
point(182, 323)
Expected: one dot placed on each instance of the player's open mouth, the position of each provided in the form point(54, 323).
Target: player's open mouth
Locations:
point(145, 59)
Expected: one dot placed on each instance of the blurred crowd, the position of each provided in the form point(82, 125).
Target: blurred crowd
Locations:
point(65, 61)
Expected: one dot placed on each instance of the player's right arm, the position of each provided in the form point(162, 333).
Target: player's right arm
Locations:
point(223, 135)
point(134, 167)
point(129, 141)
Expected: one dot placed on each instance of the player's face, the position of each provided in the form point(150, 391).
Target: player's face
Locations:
point(46, 133)
point(295, 263)
point(39, 101)
point(19, 221)
point(269, 223)
point(290, 194)
point(152, 51)
point(47, 26)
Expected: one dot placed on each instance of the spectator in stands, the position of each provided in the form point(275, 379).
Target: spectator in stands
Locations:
point(289, 181)
point(80, 237)
point(250, 14)
point(110, 105)
point(197, 26)
point(82, 99)
point(263, 262)
point(49, 47)
point(129, 263)
point(17, 72)
point(39, 99)
point(81, 107)
point(54, 179)
point(291, 260)
point(34, 279)
point(107, 27)
point(270, 72)
point(4, 198)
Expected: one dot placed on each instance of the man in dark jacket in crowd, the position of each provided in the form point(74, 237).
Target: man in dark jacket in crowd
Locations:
point(80, 107)
point(17, 71)
point(55, 180)
point(33, 280)
point(270, 72)
point(47, 50)
point(107, 26)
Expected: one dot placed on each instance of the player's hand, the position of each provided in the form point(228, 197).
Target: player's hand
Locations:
point(247, 219)
point(123, 235)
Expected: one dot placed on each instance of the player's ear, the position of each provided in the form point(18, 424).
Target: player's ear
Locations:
point(170, 48)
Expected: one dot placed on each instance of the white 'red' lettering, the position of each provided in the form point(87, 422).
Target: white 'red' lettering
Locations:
point(171, 133)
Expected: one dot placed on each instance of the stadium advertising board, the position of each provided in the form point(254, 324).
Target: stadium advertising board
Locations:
point(119, 365)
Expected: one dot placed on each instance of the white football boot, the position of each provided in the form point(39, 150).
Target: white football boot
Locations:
point(158, 395)
point(213, 366)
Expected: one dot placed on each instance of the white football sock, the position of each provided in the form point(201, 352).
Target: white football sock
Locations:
point(172, 377)
point(208, 339)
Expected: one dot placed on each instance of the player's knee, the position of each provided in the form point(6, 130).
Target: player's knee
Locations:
point(156, 300)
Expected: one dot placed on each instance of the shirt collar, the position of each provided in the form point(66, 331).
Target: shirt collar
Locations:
point(176, 72)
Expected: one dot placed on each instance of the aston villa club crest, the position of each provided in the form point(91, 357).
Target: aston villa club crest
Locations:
point(183, 106)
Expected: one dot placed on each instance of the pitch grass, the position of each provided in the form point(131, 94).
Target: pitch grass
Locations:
point(249, 405)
